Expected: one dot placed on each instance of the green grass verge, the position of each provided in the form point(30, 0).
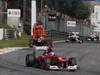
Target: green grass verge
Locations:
point(21, 42)
point(5, 26)
point(13, 43)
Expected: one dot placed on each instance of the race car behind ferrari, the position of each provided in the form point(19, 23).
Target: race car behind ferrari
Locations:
point(39, 42)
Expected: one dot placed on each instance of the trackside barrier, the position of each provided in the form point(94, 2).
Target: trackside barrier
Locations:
point(7, 34)
point(55, 34)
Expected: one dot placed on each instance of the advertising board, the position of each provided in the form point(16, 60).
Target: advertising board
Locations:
point(71, 23)
point(13, 13)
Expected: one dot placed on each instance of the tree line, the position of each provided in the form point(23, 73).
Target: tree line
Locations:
point(74, 8)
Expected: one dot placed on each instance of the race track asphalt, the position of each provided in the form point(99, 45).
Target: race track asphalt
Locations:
point(87, 54)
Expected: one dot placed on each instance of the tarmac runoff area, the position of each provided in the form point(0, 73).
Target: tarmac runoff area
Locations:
point(11, 49)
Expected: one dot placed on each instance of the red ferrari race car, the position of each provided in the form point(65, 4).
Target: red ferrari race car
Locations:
point(47, 61)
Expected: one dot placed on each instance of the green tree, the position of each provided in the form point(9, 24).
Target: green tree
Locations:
point(77, 9)
point(73, 8)
point(15, 3)
point(80, 10)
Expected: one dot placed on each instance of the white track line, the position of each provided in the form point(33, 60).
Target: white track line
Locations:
point(8, 50)
point(11, 49)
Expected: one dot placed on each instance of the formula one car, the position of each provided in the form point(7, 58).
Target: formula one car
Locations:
point(39, 42)
point(73, 37)
point(51, 62)
point(93, 38)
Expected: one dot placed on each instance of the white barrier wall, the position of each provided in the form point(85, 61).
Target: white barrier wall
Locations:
point(13, 17)
point(7, 34)
point(1, 34)
point(33, 12)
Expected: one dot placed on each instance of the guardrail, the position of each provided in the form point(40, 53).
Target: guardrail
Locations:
point(9, 34)
point(56, 34)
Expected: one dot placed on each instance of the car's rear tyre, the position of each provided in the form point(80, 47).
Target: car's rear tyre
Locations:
point(30, 60)
point(80, 41)
point(67, 41)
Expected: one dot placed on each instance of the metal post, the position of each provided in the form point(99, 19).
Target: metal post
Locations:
point(45, 22)
point(45, 17)
point(24, 10)
point(33, 14)
point(4, 34)
point(41, 5)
